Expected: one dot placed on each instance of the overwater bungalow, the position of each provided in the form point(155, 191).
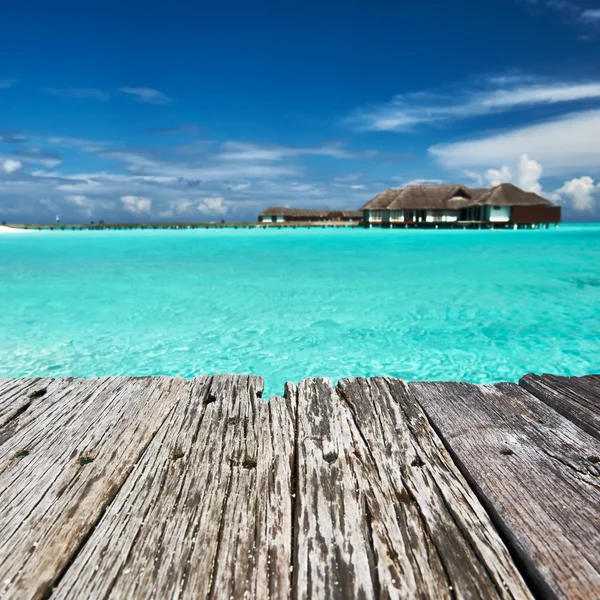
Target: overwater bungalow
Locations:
point(276, 214)
point(504, 205)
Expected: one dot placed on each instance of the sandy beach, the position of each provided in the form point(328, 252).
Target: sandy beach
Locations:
point(9, 230)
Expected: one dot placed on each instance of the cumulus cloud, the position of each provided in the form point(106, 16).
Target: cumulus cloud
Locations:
point(182, 205)
point(77, 199)
point(407, 110)
point(579, 191)
point(497, 176)
point(562, 145)
point(183, 179)
point(476, 177)
point(147, 95)
point(84, 205)
point(178, 207)
point(11, 166)
point(136, 204)
point(530, 172)
point(213, 206)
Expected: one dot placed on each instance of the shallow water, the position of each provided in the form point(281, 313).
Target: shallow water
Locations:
point(479, 306)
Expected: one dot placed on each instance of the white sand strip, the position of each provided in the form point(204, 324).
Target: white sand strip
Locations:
point(5, 229)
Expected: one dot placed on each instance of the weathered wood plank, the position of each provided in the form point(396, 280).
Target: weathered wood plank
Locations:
point(16, 395)
point(577, 398)
point(64, 461)
point(537, 473)
point(207, 512)
point(381, 509)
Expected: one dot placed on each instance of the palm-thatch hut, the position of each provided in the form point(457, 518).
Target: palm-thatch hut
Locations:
point(276, 214)
point(458, 205)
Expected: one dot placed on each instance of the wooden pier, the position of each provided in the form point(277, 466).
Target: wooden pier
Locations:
point(168, 488)
point(150, 226)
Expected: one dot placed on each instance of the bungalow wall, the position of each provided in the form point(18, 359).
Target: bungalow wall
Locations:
point(389, 216)
point(517, 215)
point(374, 216)
point(272, 219)
point(441, 216)
point(525, 215)
point(499, 214)
point(306, 218)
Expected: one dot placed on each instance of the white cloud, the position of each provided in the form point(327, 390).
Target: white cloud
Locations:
point(537, 94)
point(561, 145)
point(11, 166)
point(205, 169)
point(497, 176)
point(84, 205)
point(358, 186)
point(79, 93)
point(476, 177)
point(530, 172)
point(77, 199)
point(136, 204)
point(7, 83)
point(238, 187)
point(424, 182)
point(181, 206)
point(407, 110)
point(214, 206)
point(591, 15)
point(241, 151)
point(579, 191)
point(147, 95)
point(180, 179)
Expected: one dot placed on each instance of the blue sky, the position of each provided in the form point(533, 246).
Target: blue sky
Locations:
point(195, 111)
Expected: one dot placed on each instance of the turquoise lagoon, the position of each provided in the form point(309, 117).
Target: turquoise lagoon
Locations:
point(479, 306)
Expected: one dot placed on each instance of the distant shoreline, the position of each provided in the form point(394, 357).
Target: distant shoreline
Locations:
point(17, 228)
point(8, 230)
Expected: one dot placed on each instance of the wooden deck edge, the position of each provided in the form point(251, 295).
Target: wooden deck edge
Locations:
point(529, 384)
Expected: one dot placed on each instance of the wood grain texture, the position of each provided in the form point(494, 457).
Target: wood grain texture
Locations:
point(577, 398)
point(62, 464)
point(16, 395)
point(381, 509)
point(537, 473)
point(166, 488)
point(207, 512)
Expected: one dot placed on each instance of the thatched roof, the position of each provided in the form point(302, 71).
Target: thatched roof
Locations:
point(507, 194)
point(308, 213)
point(452, 197)
point(382, 200)
point(431, 196)
point(357, 214)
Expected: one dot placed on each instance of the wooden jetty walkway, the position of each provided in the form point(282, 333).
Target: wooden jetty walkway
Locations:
point(168, 488)
point(186, 225)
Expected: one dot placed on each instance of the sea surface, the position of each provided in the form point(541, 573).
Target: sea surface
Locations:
point(479, 306)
